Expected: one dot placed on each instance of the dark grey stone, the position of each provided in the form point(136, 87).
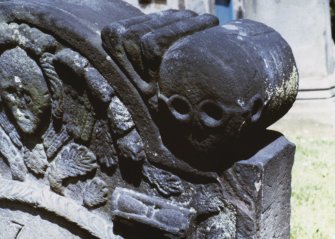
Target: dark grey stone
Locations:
point(23, 89)
point(157, 213)
point(260, 188)
point(115, 124)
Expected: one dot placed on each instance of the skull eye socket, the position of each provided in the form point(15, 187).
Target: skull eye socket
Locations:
point(211, 114)
point(180, 107)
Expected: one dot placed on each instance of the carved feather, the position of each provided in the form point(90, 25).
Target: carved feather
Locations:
point(10, 130)
point(53, 140)
point(166, 183)
point(74, 160)
point(103, 146)
point(95, 193)
point(36, 160)
point(13, 156)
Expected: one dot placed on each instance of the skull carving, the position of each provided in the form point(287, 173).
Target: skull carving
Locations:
point(206, 85)
point(215, 89)
point(23, 89)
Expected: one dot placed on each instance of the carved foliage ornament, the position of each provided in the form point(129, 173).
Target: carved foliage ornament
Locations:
point(49, 129)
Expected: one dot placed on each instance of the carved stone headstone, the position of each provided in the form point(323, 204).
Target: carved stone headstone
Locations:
point(115, 124)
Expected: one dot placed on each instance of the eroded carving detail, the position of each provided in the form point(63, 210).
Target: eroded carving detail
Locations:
point(98, 85)
point(36, 160)
point(131, 147)
point(95, 193)
point(30, 91)
point(103, 145)
point(78, 114)
point(56, 85)
point(23, 89)
point(9, 128)
point(119, 117)
point(75, 129)
point(162, 54)
point(21, 228)
point(13, 156)
point(74, 160)
point(154, 212)
point(165, 182)
point(66, 208)
point(53, 141)
point(30, 39)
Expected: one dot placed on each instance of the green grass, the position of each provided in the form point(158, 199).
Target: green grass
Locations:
point(313, 189)
point(311, 126)
point(313, 177)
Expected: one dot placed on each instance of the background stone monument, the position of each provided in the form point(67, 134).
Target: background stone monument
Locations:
point(116, 124)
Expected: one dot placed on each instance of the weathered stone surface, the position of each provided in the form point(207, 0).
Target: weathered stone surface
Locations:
point(53, 140)
point(44, 200)
point(157, 213)
point(116, 124)
point(95, 193)
point(165, 182)
point(23, 89)
point(36, 160)
point(102, 145)
point(131, 147)
point(98, 85)
point(10, 130)
point(260, 189)
point(73, 161)
point(13, 157)
point(119, 117)
point(55, 84)
point(16, 224)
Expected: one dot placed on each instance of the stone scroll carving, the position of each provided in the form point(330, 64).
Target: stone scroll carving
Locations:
point(115, 124)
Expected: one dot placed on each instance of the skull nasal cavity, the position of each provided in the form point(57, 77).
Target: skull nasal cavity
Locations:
point(258, 104)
